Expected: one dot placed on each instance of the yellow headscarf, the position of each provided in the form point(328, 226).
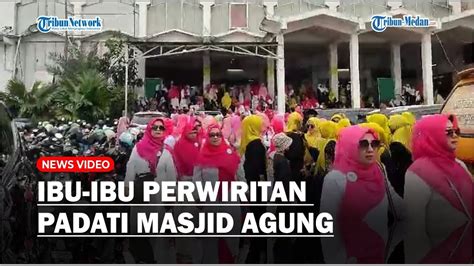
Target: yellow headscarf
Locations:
point(381, 120)
point(313, 135)
point(294, 122)
point(338, 117)
point(343, 123)
point(328, 131)
point(384, 139)
point(410, 117)
point(401, 129)
point(226, 100)
point(251, 130)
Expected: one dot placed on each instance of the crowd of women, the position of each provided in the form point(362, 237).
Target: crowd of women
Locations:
point(393, 184)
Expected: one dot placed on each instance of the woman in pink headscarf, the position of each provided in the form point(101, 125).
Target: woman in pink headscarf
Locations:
point(438, 193)
point(152, 160)
point(227, 126)
point(122, 126)
point(186, 152)
point(354, 193)
point(217, 161)
point(277, 126)
point(236, 132)
point(262, 91)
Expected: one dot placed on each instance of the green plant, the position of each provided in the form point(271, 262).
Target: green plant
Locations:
point(34, 103)
point(85, 96)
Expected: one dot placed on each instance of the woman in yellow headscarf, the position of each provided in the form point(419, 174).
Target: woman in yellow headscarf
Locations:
point(337, 117)
point(295, 121)
point(313, 133)
point(382, 121)
point(296, 153)
point(343, 123)
point(410, 117)
point(226, 101)
point(252, 127)
point(328, 131)
point(312, 136)
point(401, 130)
point(400, 150)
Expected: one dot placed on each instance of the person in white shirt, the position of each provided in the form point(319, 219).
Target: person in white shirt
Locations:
point(152, 160)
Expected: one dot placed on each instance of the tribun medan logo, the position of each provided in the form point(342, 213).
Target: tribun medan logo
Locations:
point(53, 23)
point(380, 23)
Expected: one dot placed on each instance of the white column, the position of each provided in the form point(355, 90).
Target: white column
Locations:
point(206, 16)
point(354, 62)
point(141, 63)
point(271, 77)
point(456, 6)
point(206, 68)
point(142, 17)
point(281, 73)
point(270, 8)
point(334, 75)
point(77, 12)
point(394, 4)
point(426, 63)
point(78, 8)
point(332, 4)
point(397, 67)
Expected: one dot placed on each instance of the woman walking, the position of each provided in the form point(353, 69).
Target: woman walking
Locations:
point(218, 161)
point(438, 193)
point(151, 160)
point(355, 194)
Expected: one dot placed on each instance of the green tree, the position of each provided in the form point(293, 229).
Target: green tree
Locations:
point(84, 96)
point(34, 103)
point(112, 64)
point(76, 62)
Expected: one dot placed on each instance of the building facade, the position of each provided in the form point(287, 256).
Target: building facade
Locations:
point(277, 42)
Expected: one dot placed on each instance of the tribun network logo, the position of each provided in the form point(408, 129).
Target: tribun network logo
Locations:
point(52, 23)
point(380, 23)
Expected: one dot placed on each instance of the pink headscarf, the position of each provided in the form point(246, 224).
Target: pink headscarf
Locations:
point(186, 151)
point(181, 122)
point(222, 157)
point(169, 124)
point(236, 126)
point(360, 196)
point(148, 147)
point(266, 120)
point(278, 126)
point(227, 126)
point(122, 126)
point(207, 121)
point(435, 163)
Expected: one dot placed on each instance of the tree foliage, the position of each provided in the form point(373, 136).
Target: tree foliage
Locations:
point(85, 86)
point(34, 103)
point(84, 96)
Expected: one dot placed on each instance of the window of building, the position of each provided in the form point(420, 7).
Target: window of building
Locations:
point(238, 15)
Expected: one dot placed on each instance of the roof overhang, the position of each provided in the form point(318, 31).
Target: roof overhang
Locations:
point(464, 19)
point(238, 35)
point(325, 18)
point(104, 35)
point(174, 35)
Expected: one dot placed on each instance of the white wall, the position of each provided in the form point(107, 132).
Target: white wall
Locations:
point(6, 64)
point(34, 57)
